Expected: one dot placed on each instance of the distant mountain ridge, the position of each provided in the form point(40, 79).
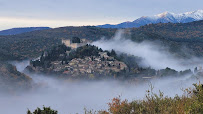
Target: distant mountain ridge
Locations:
point(165, 17)
point(15, 31)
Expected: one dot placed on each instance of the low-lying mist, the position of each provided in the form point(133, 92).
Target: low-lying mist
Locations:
point(68, 96)
point(154, 55)
point(72, 96)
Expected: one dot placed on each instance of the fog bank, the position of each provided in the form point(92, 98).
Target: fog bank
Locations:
point(154, 55)
point(68, 96)
point(73, 97)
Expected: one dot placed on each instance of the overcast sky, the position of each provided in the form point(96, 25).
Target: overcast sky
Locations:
point(56, 13)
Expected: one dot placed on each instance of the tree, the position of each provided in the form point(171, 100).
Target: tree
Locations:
point(113, 53)
point(45, 110)
point(195, 70)
point(75, 40)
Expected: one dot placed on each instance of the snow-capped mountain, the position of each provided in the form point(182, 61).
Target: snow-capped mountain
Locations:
point(160, 18)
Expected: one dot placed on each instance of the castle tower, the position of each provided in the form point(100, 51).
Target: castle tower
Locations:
point(66, 42)
point(69, 43)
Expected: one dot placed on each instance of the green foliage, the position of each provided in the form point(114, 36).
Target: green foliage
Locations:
point(177, 31)
point(198, 99)
point(75, 40)
point(171, 72)
point(32, 44)
point(178, 37)
point(45, 110)
point(52, 55)
point(58, 53)
point(185, 72)
point(87, 50)
point(13, 80)
point(113, 53)
point(168, 72)
point(130, 60)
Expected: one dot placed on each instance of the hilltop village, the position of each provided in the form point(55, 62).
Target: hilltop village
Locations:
point(75, 57)
point(90, 65)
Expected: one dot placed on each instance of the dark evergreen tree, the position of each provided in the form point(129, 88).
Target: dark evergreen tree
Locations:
point(113, 53)
point(195, 70)
point(75, 40)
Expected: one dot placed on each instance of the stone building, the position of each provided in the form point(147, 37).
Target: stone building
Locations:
point(69, 43)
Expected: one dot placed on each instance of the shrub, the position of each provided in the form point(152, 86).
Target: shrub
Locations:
point(157, 103)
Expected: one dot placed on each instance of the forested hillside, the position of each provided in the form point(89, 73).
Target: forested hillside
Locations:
point(174, 30)
point(32, 44)
point(176, 36)
point(182, 39)
point(12, 80)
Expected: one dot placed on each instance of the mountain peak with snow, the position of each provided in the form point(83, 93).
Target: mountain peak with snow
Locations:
point(164, 14)
point(164, 17)
point(198, 15)
point(198, 12)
